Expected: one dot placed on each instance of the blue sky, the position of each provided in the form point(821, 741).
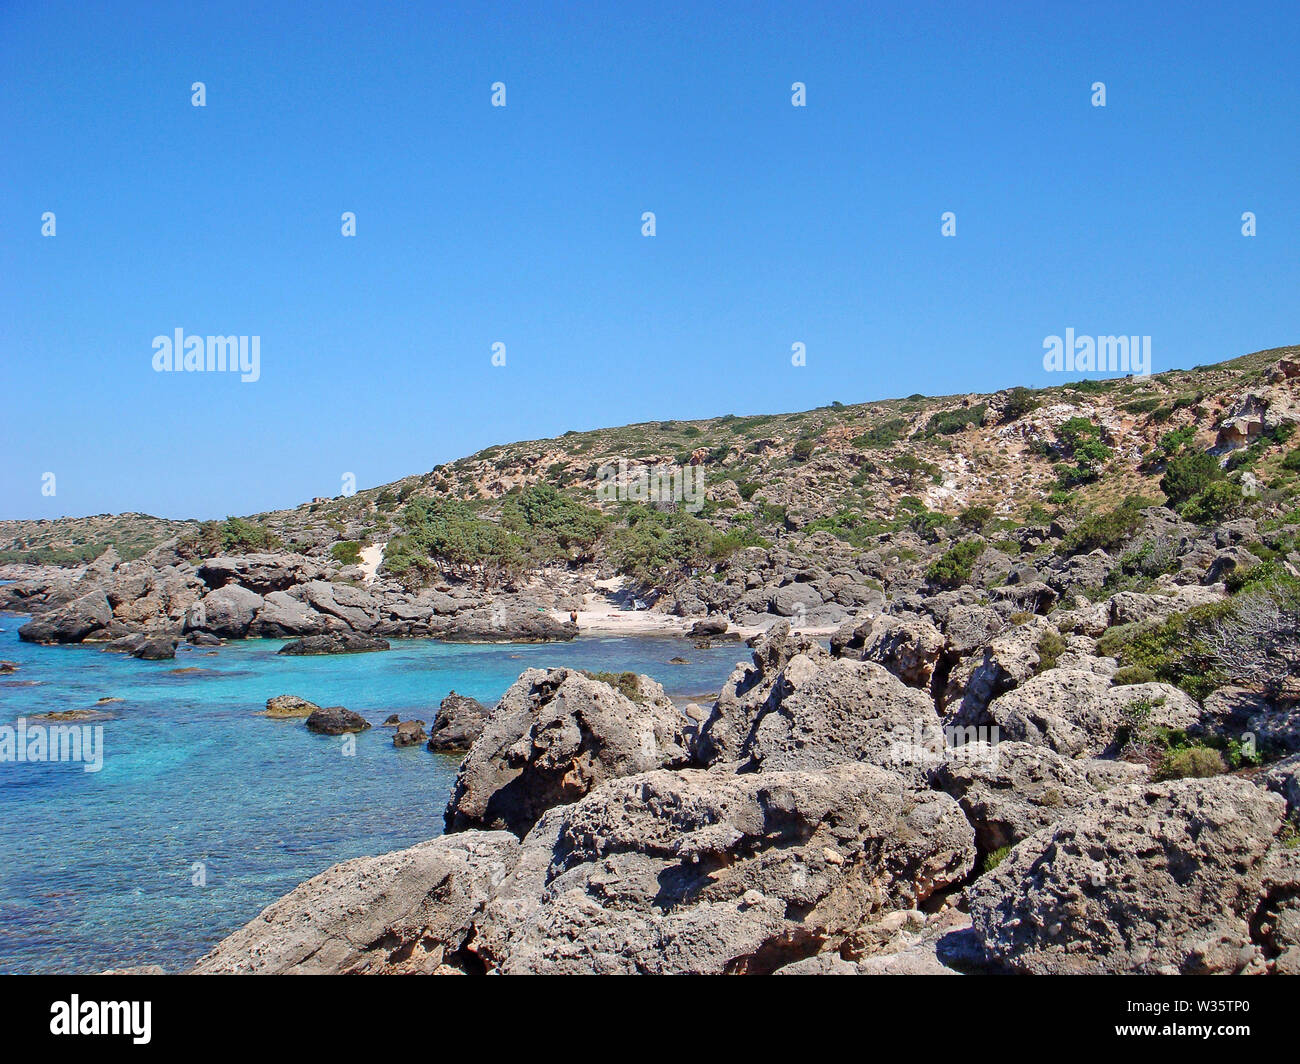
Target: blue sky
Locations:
point(522, 224)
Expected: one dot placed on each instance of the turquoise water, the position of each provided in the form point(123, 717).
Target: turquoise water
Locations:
point(99, 869)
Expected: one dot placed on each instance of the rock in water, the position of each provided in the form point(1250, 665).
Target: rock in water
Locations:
point(459, 722)
point(334, 643)
point(335, 720)
point(156, 648)
point(284, 707)
point(409, 733)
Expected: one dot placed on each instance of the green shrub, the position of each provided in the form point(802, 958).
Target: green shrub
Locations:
point(1219, 502)
point(1020, 402)
point(1050, 648)
point(882, 435)
point(950, 422)
point(1189, 474)
point(1134, 674)
point(1192, 762)
point(954, 567)
point(1107, 531)
point(995, 858)
point(974, 518)
point(347, 552)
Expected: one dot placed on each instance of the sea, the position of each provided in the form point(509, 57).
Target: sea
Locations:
point(203, 812)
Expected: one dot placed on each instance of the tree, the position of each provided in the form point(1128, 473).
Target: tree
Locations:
point(1258, 643)
point(1189, 474)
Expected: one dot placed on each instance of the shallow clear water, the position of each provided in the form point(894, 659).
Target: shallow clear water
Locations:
point(99, 869)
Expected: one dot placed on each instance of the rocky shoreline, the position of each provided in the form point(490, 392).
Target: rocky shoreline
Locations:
point(976, 776)
point(825, 816)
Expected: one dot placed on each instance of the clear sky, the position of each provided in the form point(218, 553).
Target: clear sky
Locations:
point(522, 225)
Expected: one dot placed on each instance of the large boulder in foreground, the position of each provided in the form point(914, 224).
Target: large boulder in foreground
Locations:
point(1079, 713)
point(1146, 878)
point(228, 611)
point(818, 712)
point(1010, 790)
point(555, 735)
point(702, 872)
point(404, 912)
point(459, 722)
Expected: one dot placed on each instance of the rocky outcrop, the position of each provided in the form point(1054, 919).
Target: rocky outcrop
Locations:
point(505, 625)
point(1010, 790)
point(405, 912)
point(554, 736)
point(261, 573)
point(1146, 878)
point(675, 872)
point(1079, 714)
point(80, 619)
point(909, 647)
point(459, 722)
point(228, 611)
point(822, 713)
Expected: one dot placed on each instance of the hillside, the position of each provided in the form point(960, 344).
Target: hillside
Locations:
point(856, 471)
